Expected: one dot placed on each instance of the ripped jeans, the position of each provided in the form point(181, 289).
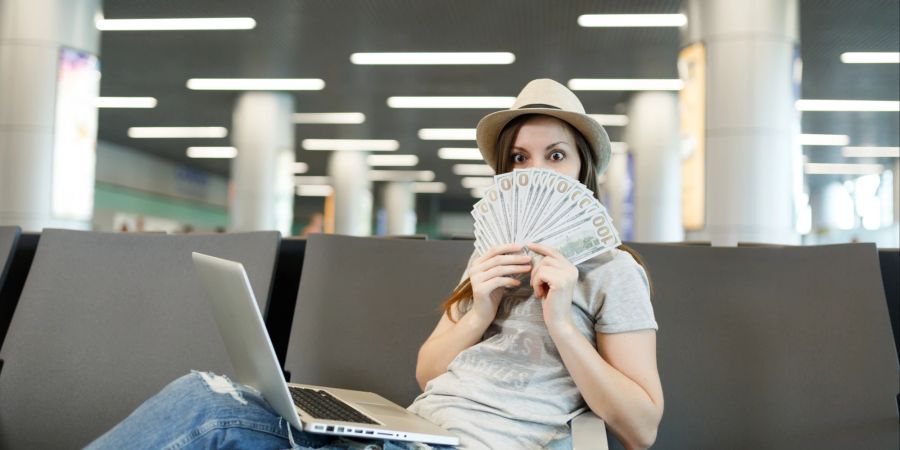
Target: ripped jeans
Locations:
point(204, 410)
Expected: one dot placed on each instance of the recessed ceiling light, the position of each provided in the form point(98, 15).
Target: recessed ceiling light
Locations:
point(447, 134)
point(177, 132)
point(212, 152)
point(871, 152)
point(197, 23)
point(300, 167)
point(870, 58)
point(632, 20)
point(433, 58)
point(847, 105)
point(314, 190)
point(125, 102)
point(610, 120)
point(375, 145)
point(634, 84)
point(824, 139)
point(451, 102)
point(392, 160)
point(434, 187)
point(329, 118)
point(476, 182)
point(472, 170)
point(460, 153)
point(401, 175)
point(255, 84)
point(842, 169)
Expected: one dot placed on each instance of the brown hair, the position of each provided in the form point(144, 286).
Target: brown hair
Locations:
point(462, 294)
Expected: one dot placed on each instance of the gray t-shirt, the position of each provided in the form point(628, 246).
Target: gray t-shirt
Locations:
point(511, 390)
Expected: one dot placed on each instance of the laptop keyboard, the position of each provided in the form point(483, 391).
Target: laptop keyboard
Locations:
point(323, 405)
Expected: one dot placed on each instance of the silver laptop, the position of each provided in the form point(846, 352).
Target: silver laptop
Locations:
point(310, 408)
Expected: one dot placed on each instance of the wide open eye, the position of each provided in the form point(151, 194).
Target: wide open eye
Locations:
point(557, 155)
point(518, 158)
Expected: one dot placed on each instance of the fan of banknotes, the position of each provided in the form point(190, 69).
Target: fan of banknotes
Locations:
point(543, 207)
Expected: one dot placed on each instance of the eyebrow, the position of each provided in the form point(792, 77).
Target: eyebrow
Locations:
point(547, 148)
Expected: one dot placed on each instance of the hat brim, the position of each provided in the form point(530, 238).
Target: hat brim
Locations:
point(489, 128)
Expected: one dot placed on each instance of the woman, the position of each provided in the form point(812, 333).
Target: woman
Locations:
point(511, 362)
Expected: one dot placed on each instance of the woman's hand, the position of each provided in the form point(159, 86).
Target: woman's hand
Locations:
point(553, 279)
point(489, 275)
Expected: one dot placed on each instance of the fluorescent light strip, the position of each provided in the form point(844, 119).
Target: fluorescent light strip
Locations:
point(392, 160)
point(300, 167)
point(632, 20)
point(472, 154)
point(329, 118)
point(476, 182)
point(610, 120)
point(871, 152)
point(197, 23)
point(307, 179)
point(870, 58)
point(635, 84)
point(375, 145)
point(125, 102)
point(451, 102)
point(824, 139)
point(433, 58)
point(401, 175)
point(447, 134)
point(478, 192)
point(255, 84)
point(842, 169)
point(314, 190)
point(211, 152)
point(472, 170)
point(847, 105)
point(434, 187)
point(177, 132)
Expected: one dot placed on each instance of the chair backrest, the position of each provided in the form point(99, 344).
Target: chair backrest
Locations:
point(773, 347)
point(106, 320)
point(890, 276)
point(365, 306)
point(9, 236)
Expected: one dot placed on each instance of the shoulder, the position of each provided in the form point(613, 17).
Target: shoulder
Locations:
point(614, 270)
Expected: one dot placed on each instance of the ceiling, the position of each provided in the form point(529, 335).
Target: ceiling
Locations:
point(314, 39)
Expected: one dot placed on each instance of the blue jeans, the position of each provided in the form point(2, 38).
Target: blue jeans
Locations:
point(204, 410)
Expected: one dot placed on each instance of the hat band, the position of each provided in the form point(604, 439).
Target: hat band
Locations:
point(539, 105)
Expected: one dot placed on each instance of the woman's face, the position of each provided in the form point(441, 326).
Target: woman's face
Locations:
point(545, 142)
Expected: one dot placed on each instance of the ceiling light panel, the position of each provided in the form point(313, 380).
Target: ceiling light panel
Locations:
point(255, 84)
point(451, 102)
point(469, 154)
point(212, 152)
point(375, 145)
point(392, 160)
point(433, 58)
point(312, 179)
point(401, 175)
point(871, 152)
point(177, 132)
point(870, 58)
point(314, 190)
point(476, 170)
point(625, 84)
point(330, 118)
point(300, 167)
point(434, 187)
point(447, 134)
point(610, 120)
point(125, 102)
point(824, 139)
point(476, 182)
point(842, 169)
point(847, 105)
point(632, 20)
point(180, 24)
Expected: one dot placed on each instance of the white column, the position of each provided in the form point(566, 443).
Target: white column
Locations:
point(400, 206)
point(263, 132)
point(32, 34)
point(619, 194)
point(352, 193)
point(751, 125)
point(653, 139)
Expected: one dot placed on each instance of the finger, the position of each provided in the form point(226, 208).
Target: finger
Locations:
point(501, 249)
point(538, 284)
point(544, 250)
point(500, 271)
point(499, 260)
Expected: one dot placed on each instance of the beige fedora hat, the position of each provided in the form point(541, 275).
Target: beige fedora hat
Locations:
point(544, 96)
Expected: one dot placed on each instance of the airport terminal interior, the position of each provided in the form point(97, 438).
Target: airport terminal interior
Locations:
point(753, 162)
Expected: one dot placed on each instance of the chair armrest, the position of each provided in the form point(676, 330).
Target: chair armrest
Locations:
point(589, 432)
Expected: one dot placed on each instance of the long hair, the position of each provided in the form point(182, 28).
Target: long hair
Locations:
point(462, 295)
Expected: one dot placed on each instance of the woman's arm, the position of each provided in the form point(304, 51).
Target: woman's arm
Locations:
point(619, 380)
point(620, 383)
point(489, 276)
